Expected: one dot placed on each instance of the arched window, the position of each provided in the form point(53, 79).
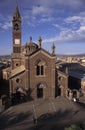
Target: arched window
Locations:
point(40, 68)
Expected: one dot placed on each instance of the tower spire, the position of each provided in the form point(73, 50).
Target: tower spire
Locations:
point(16, 2)
point(53, 49)
point(40, 42)
point(16, 12)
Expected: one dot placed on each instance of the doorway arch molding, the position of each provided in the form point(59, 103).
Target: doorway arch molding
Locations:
point(40, 89)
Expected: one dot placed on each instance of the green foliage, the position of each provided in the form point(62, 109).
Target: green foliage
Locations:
point(73, 127)
point(69, 128)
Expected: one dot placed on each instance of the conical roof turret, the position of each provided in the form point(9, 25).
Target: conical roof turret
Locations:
point(16, 13)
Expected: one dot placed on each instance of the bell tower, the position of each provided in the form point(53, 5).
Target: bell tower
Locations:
point(16, 30)
point(16, 38)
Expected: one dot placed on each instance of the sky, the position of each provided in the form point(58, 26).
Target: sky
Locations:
point(61, 22)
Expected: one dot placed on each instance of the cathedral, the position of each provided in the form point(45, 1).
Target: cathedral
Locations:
point(33, 70)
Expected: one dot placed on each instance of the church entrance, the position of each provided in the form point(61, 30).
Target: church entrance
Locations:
point(40, 91)
point(59, 92)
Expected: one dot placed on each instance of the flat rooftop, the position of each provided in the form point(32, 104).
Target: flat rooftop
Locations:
point(77, 75)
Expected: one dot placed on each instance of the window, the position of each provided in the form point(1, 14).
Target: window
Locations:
point(40, 68)
point(17, 80)
point(16, 49)
point(17, 64)
point(59, 78)
point(16, 27)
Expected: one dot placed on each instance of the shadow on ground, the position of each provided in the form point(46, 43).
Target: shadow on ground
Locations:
point(11, 120)
point(46, 121)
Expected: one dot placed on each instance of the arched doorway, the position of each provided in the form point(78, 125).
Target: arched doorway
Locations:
point(40, 90)
point(59, 90)
point(74, 93)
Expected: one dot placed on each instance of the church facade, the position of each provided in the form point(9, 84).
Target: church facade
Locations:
point(33, 69)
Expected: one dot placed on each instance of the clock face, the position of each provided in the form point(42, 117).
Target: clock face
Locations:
point(17, 41)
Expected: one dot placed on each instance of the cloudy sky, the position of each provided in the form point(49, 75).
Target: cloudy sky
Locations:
point(58, 21)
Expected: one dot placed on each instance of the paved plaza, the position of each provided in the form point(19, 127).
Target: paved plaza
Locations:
point(48, 114)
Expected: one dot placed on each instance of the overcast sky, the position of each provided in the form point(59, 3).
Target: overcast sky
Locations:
point(58, 21)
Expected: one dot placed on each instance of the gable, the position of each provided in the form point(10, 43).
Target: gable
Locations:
point(43, 52)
